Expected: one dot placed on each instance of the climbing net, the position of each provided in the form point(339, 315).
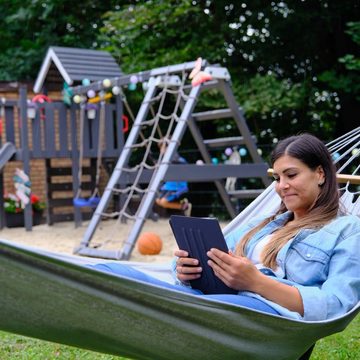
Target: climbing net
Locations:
point(155, 130)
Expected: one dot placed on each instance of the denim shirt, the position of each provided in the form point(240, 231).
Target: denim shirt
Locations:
point(323, 264)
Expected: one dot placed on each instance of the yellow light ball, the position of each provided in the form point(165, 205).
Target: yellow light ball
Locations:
point(106, 83)
point(77, 99)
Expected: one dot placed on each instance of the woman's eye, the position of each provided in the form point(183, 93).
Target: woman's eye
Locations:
point(276, 179)
point(291, 175)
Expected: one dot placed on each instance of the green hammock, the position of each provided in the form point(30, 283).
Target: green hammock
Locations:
point(55, 297)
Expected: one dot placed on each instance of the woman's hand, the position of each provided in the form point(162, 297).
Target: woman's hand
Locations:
point(240, 273)
point(186, 268)
point(237, 272)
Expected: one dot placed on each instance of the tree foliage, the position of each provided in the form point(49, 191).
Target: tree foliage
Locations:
point(277, 52)
point(31, 26)
point(293, 63)
point(347, 81)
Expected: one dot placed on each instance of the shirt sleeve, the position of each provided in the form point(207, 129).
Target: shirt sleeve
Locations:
point(341, 290)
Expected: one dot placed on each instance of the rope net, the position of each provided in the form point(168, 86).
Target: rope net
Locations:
point(155, 130)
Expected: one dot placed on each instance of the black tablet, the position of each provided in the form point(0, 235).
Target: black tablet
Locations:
point(197, 236)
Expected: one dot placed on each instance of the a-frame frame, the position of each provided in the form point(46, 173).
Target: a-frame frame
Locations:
point(160, 80)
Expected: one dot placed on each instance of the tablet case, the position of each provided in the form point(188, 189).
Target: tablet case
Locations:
point(197, 236)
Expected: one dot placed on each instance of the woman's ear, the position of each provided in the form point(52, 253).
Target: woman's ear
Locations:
point(321, 175)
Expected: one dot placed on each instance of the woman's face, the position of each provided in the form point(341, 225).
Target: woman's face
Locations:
point(297, 184)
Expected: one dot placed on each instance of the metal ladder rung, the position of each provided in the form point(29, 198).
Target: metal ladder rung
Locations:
point(214, 114)
point(229, 141)
point(245, 194)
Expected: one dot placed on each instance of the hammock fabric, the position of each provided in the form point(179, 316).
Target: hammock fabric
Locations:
point(55, 297)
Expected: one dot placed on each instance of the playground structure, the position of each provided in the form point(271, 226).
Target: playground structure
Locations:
point(92, 127)
point(52, 132)
point(140, 171)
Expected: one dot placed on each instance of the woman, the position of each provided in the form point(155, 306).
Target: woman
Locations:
point(309, 248)
point(303, 262)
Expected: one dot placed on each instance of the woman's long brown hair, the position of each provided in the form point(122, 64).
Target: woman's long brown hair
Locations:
point(313, 153)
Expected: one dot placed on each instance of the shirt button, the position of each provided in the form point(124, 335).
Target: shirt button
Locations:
point(308, 255)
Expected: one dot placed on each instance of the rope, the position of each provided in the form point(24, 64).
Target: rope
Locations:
point(81, 147)
point(99, 149)
point(101, 136)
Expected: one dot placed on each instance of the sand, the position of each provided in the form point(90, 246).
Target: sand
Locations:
point(64, 237)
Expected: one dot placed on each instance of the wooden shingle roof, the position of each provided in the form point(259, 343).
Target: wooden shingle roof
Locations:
point(72, 65)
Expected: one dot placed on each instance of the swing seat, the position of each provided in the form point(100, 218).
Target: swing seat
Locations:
point(90, 202)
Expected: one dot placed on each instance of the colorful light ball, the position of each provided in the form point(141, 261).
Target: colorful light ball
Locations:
point(145, 86)
point(106, 83)
point(335, 156)
point(85, 82)
point(134, 79)
point(242, 152)
point(355, 152)
point(228, 151)
point(77, 99)
point(91, 93)
point(132, 86)
point(149, 243)
point(199, 162)
point(259, 152)
point(215, 160)
point(116, 90)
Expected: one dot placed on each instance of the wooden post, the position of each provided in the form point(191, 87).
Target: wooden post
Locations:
point(25, 150)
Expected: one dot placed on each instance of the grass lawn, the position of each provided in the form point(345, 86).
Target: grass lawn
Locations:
point(341, 346)
point(345, 345)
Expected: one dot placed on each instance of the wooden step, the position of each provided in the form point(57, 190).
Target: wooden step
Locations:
point(67, 171)
point(68, 186)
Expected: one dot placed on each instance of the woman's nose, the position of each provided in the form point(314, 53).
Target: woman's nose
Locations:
point(283, 184)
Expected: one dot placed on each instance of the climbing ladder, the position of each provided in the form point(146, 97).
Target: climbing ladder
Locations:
point(154, 124)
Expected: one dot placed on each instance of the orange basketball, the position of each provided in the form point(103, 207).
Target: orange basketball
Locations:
point(149, 243)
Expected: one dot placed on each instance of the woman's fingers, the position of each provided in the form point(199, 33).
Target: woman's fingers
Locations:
point(186, 268)
point(220, 258)
point(181, 253)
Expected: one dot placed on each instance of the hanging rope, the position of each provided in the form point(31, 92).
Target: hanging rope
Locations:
point(101, 135)
point(81, 147)
point(94, 199)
